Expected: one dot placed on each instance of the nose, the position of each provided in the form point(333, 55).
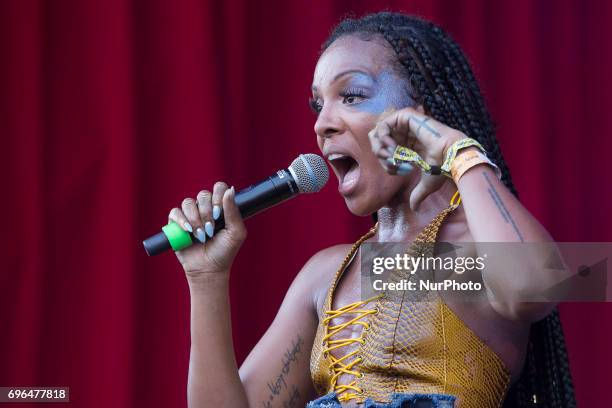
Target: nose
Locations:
point(328, 123)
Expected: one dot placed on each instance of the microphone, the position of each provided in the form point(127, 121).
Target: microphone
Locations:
point(308, 173)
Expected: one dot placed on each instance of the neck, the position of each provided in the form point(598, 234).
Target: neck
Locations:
point(398, 223)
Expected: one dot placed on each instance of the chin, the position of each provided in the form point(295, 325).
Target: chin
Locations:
point(362, 206)
point(374, 196)
point(358, 211)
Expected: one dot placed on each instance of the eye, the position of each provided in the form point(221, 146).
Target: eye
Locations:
point(352, 96)
point(315, 105)
point(351, 99)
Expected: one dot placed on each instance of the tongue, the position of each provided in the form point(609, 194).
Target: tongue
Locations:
point(351, 176)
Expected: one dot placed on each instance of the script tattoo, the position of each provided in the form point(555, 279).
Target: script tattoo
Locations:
point(279, 383)
point(294, 396)
point(501, 207)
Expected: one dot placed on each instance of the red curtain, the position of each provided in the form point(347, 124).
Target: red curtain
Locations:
point(111, 112)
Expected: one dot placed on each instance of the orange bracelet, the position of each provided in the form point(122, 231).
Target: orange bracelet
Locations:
point(468, 159)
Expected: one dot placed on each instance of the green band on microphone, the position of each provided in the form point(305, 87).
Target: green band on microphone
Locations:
point(177, 237)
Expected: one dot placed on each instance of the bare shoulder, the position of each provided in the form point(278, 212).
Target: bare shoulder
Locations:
point(279, 364)
point(319, 271)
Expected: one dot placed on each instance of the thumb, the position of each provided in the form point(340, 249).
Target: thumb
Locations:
point(233, 220)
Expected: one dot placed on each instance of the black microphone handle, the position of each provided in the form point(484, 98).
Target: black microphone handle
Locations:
point(259, 197)
point(250, 201)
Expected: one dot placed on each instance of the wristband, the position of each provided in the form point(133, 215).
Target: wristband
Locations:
point(465, 161)
point(452, 151)
point(404, 154)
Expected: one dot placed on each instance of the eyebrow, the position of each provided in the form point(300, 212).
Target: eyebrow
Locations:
point(350, 71)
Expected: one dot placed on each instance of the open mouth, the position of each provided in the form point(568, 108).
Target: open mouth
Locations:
point(347, 170)
point(341, 163)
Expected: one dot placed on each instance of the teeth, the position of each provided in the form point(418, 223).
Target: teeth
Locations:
point(335, 156)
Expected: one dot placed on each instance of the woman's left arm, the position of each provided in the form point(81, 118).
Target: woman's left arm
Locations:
point(517, 276)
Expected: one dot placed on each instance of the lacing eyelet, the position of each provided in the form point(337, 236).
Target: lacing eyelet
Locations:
point(361, 375)
point(366, 327)
point(376, 310)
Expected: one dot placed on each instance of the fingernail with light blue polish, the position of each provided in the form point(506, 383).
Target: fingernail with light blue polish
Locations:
point(200, 235)
point(188, 227)
point(209, 229)
point(404, 169)
point(216, 212)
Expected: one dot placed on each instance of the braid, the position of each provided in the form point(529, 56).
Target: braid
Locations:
point(441, 79)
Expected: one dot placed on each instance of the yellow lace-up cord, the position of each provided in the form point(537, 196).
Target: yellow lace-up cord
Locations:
point(343, 365)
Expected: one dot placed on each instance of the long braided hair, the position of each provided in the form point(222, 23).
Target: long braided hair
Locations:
point(443, 82)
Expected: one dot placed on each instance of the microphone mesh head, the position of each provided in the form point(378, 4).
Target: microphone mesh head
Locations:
point(310, 172)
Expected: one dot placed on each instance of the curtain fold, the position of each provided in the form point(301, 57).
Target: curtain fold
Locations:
point(112, 112)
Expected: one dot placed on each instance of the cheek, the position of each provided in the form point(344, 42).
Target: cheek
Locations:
point(383, 182)
point(387, 100)
point(320, 143)
point(379, 182)
point(361, 129)
point(367, 158)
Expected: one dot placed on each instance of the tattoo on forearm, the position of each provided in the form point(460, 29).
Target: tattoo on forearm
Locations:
point(293, 399)
point(423, 123)
point(501, 207)
point(279, 383)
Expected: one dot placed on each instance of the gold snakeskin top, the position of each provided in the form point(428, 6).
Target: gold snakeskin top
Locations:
point(405, 347)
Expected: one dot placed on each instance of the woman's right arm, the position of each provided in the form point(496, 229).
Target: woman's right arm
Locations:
point(277, 371)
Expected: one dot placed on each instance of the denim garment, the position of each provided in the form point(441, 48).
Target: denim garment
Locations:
point(397, 401)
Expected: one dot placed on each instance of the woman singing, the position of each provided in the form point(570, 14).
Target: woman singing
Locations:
point(402, 122)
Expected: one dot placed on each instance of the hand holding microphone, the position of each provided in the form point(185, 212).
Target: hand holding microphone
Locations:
point(193, 217)
point(220, 215)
